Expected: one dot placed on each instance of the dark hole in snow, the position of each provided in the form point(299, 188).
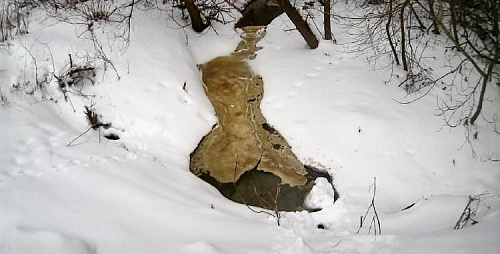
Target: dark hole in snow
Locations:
point(111, 136)
point(408, 207)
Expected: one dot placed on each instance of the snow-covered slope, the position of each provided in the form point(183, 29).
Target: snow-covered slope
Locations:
point(136, 194)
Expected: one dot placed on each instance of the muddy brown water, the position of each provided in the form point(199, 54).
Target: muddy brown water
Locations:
point(243, 156)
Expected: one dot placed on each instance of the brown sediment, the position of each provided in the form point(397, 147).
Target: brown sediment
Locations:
point(243, 143)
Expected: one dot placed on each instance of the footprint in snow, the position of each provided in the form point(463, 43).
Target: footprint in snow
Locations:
point(43, 242)
point(201, 247)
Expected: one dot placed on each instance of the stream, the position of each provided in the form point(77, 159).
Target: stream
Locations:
point(243, 156)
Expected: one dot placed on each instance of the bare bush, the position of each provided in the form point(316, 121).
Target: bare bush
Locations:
point(14, 18)
point(74, 78)
point(372, 210)
point(36, 75)
point(469, 213)
point(270, 202)
point(406, 32)
point(473, 29)
point(201, 14)
point(112, 18)
point(475, 207)
point(94, 123)
point(220, 11)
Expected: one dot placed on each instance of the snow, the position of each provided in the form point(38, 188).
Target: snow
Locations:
point(322, 194)
point(137, 195)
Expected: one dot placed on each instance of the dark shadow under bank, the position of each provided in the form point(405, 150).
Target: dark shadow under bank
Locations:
point(259, 13)
point(258, 188)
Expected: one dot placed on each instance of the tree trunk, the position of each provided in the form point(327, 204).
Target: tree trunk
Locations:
point(435, 28)
point(299, 23)
point(403, 35)
point(492, 64)
point(195, 16)
point(388, 31)
point(454, 21)
point(327, 16)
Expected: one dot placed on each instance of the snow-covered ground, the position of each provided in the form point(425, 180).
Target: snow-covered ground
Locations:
point(137, 195)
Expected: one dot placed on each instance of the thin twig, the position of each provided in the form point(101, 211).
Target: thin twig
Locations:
point(83, 133)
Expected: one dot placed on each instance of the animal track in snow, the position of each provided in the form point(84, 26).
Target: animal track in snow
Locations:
point(312, 75)
point(25, 240)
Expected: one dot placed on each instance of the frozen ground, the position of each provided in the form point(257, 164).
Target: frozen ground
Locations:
point(136, 194)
